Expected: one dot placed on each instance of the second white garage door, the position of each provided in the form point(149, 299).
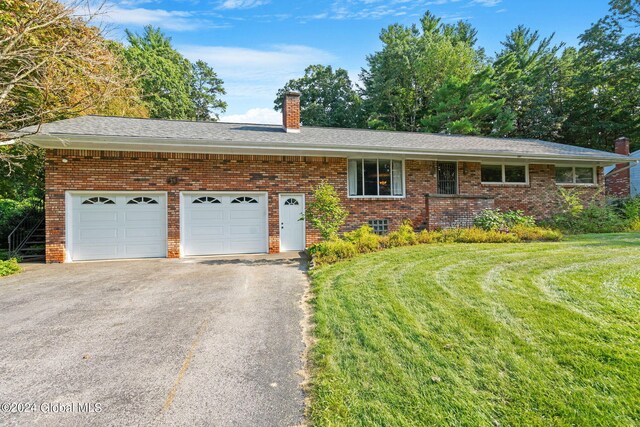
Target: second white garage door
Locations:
point(224, 223)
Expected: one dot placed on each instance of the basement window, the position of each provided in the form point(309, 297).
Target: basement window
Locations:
point(380, 226)
point(376, 178)
point(575, 175)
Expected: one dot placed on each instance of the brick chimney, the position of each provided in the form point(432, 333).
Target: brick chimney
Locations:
point(291, 112)
point(618, 181)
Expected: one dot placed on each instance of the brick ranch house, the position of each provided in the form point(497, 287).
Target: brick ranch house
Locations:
point(131, 188)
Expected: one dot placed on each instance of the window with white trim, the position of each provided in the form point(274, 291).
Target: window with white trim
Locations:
point(376, 178)
point(496, 173)
point(575, 175)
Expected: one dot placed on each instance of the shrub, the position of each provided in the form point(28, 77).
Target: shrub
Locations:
point(426, 236)
point(9, 267)
point(332, 251)
point(404, 236)
point(478, 235)
point(325, 212)
point(592, 219)
point(540, 234)
point(494, 219)
point(364, 239)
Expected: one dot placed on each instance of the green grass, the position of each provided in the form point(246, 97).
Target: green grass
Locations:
point(480, 334)
point(9, 267)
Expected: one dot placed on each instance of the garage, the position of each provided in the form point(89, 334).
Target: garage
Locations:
point(117, 225)
point(224, 223)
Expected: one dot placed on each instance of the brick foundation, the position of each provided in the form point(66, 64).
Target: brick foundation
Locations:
point(176, 172)
point(454, 211)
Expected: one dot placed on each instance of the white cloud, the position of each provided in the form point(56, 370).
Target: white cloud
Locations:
point(487, 3)
point(242, 4)
point(255, 115)
point(252, 76)
point(175, 20)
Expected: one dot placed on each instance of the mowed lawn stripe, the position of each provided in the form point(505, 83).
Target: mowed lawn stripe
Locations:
point(480, 334)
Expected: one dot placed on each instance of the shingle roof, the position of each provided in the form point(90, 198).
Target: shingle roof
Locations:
point(253, 136)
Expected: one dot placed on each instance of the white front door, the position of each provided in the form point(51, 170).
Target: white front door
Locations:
point(291, 222)
point(117, 225)
point(216, 223)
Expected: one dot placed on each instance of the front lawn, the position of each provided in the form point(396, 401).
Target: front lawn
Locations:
point(480, 334)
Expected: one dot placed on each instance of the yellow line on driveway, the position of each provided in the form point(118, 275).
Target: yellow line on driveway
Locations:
point(185, 366)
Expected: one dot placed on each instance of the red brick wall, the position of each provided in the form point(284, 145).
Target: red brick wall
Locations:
point(538, 198)
point(618, 182)
point(454, 211)
point(138, 171)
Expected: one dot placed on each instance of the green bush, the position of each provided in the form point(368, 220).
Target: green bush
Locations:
point(478, 235)
point(426, 236)
point(364, 239)
point(332, 251)
point(495, 219)
point(404, 236)
point(325, 212)
point(536, 234)
point(12, 212)
point(9, 267)
point(591, 219)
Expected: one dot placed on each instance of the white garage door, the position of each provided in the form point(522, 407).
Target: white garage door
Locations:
point(224, 223)
point(112, 226)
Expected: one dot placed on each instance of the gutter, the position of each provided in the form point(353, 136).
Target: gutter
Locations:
point(617, 171)
point(88, 142)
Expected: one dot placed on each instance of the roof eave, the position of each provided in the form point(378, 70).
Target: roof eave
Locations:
point(106, 143)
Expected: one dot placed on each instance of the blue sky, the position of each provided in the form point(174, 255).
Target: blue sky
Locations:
point(257, 45)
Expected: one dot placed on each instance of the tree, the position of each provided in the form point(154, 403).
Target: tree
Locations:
point(166, 75)
point(469, 107)
point(173, 87)
point(401, 78)
point(605, 83)
point(54, 64)
point(325, 212)
point(206, 86)
point(527, 76)
point(327, 98)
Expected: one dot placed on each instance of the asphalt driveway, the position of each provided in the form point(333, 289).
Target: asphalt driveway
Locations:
point(213, 341)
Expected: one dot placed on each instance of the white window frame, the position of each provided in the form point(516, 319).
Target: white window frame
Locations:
point(594, 170)
point(377, 159)
point(503, 182)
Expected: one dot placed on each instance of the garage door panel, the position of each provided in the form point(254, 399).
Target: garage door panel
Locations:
point(96, 217)
point(143, 216)
point(94, 252)
point(91, 234)
point(224, 227)
point(198, 232)
point(206, 215)
point(141, 233)
point(239, 230)
point(119, 229)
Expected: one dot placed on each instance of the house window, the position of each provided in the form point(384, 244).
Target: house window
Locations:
point(575, 175)
point(380, 226)
point(503, 174)
point(376, 177)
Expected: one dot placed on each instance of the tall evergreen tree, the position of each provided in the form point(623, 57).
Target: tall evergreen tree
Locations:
point(527, 71)
point(206, 87)
point(166, 75)
point(414, 62)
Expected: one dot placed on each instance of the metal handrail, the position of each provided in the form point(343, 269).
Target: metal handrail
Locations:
point(23, 231)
